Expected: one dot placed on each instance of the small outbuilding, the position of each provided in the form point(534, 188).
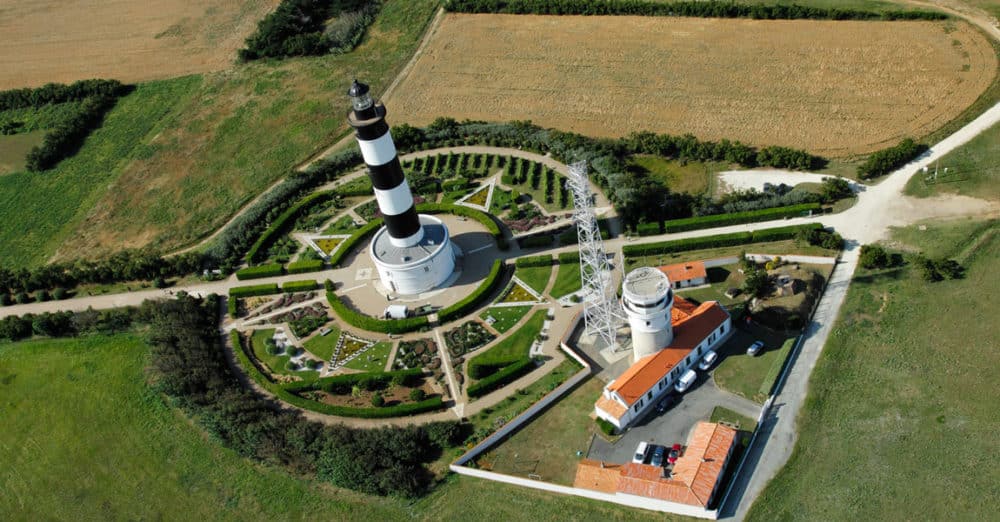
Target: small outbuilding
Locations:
point(683, 275)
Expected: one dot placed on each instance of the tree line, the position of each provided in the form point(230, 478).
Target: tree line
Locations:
point(882, 162)
point(702, 9)
point(300, 28)
point(191, 369)
point(53, 93)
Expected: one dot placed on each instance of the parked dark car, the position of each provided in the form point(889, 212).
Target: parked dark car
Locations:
point(669, 400)
point(658, 453)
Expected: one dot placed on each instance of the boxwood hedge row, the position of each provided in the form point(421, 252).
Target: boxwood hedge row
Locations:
point(304, 266)
point(720, 240)
point(458, 210)
point(526, 262)
point(343, 383)
point(283, 221)
point(258, 272)
point(736, 218)
point(359, 235)
point(371, 324)
point(299, 286)
point(502, 377)
point(254, 290)
point(476, 297)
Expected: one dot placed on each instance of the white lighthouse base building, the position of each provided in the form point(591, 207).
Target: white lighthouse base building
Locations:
point(411, 270)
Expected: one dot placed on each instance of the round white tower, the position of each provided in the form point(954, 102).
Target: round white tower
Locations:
point(647, 299)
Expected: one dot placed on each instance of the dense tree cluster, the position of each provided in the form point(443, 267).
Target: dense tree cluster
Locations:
point(191, 368)
point(71, 324)
point(882, 162)
point(53, 93)
point(704, 9)
point(300, 28)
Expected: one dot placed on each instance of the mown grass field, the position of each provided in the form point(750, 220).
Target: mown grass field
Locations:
point(973, 170)
point(690, 177)
point(898, 424)
point(54, 41)
point(845, 87)
point(746, 376)
point(40, 210)
point(516, 345)
point(85, 438)
point(567, 280)
point(237, 133)
point(14, 150)
point(535, 276)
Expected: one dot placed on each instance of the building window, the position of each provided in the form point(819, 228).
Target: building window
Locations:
point(699, 350)
point(723, 329)
point(636, 407)
point(649, 395)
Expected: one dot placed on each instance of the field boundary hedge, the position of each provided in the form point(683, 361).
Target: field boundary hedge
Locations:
point(882, 162)
point(683, 8)
point(720, 240)
point(735, 218)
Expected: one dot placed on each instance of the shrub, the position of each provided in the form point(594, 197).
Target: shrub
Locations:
point(882, 162)
point(873, 256)
point(291, 366)
point(299, 28)
point(378, 400)
point(470, 302)
point(5, 299)
point(42, 296)
point(21, 298)
point(313, 364)
point(64, 140)
point(531, 261)
point(417, 395)
point(606, 427)
point(341, 384)
point(254, 290)
point(301, 267)
point(258, 272)
point(502, 377)
point(299, 286)
point(569, 258)
point(232, 307)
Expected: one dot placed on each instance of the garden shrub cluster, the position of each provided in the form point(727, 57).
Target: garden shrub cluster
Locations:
point(284, 221)
point(884, 161)
point(191, 369)
point(502, 377)
point(606, 427)
point(299, 28)
point(736, 218)
point(259, 272)
point(254, 290)
point(682, 8)
point(371, 324)
point(720, 240)
point(482, 292)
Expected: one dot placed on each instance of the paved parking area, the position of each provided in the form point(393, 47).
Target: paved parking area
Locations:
point(673, 425)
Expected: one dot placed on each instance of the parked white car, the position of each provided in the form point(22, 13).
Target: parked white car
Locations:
point(685, 381)
point(708, 360)
point(640, 452)
point(755, 348)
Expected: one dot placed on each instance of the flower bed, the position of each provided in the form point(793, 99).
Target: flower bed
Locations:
point(466, 338)
point(518, 294)
point(329, 245)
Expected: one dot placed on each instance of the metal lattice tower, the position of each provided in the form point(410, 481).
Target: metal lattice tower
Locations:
point(601, 312)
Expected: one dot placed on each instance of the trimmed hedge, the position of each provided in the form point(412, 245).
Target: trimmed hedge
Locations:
point(721, 240)
point(254, 290)
point(299, 286)
point(569, 257)
point(345, 381)
point(304, 266)
point(458, 210)
point(360, 235)
point(502, 377)
point(371, 324)
point(232, 306)
point(526, 262)
point(258, 272)
point(476, 297)
point(286, 219)
point(536, 241)
point(735, 218)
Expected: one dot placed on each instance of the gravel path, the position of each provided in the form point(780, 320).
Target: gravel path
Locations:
point(732, 180)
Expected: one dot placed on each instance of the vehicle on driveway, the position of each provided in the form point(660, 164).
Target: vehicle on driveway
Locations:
point(641, 452)
point(708, 360)
point(755, 348)
point(658, 453)
point(668, 400)
point(685, 381)
point(675, 452)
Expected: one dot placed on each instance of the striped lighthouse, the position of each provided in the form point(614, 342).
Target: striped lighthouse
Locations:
point(412, 253)
point(392, 192)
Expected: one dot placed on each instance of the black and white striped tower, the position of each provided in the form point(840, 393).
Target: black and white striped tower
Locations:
point(412, 253)
point(392, 192)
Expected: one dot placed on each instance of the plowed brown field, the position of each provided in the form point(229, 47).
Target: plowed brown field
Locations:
point(64, 40)
point(834, 88)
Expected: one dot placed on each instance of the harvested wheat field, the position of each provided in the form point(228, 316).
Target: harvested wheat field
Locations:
point(61, 41)
point(834, 88)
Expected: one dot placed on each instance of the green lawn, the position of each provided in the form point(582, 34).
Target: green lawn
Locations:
point(743, 423)
point(973, 170)
point(516, 345)
point(535, 276)
point(14, 150)
point(692, 177)
point(322, 346)
point(40, 211)
point(505, 316)
point(567, 280)
point(747, 376)
point(774, 248)
point(373, 359)
point(720, 279)
point(547, 445)
point(275, 362)
point(905, 387)
point(222, 143)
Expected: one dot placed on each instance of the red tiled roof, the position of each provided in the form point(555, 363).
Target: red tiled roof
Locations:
point(597, 475)
point(684, 271)
point(695, 474)
point(611, 407)
point(689, 331)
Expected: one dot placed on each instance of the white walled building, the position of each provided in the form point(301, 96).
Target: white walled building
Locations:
point(647, 300)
